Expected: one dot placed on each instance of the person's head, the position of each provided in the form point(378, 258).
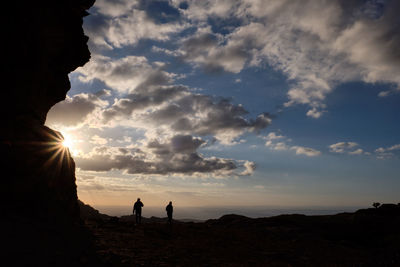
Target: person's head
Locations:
point(138, 199)
point(170, 202)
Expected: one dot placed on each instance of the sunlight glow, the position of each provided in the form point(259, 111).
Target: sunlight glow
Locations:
point(67, 141)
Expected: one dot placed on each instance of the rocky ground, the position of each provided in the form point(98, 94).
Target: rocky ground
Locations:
point(368, 237)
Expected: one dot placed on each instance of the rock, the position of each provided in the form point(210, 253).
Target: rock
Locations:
point(45, 42)
point(89, 213)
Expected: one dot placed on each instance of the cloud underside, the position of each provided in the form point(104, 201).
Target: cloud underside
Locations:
point(165, 111)
point(178, 156)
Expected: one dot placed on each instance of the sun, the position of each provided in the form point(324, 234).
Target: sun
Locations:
point(67, 142)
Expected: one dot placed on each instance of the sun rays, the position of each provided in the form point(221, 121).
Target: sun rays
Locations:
point(58, 148)
point(67, 142)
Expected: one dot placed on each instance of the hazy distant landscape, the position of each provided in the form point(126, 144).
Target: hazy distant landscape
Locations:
point(205, 213)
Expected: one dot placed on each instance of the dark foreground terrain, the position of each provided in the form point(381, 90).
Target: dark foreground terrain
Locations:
point(369, 237)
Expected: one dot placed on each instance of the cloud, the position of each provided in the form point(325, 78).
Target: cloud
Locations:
point(205, 49)
point(280, 146)
point(115, 8)
point(137, 102)
point(278, 142)
point(74, 110)
point(149, 97)
point(273, 136)
point(146, 97)
point(115, 24)
point(388, 152)
point(213, 184)
point(181, 111)
point(318, 45)
point(249, 166)
point(350, 148)
point(394, 147)
point(310, 152)
point(97, 140)
point(201, 10)
point(343, 147)
point(90, 186)
point(105, 184)
point(85, 177)
point(177, 155)
point(314, 112)
point(358, 151)
point(126, 74)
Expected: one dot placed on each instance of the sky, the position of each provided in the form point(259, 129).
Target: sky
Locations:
point(237, 103)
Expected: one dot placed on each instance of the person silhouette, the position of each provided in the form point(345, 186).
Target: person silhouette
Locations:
point(169, 208)
point(137, 210)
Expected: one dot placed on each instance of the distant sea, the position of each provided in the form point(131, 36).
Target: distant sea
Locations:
point(205, 213)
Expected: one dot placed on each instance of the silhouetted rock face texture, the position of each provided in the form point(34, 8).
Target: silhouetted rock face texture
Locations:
point(44, 42)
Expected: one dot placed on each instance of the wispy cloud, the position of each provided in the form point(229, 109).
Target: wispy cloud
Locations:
point(310, 152)
point(385, 153)
point(280, 143)
point(344, 147)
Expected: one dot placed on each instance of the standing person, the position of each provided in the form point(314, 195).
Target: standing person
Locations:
point(137, 209)
point(169, 210)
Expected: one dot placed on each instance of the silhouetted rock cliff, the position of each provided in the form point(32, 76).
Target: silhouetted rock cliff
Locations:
point(44, 42)
point(87, 212)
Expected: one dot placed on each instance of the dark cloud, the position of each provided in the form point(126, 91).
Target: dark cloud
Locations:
point(218, 115)
point(97, 26)
point(159, 11)
point(175, 156)
point(154, 100)
point(168, 114)
point(74, 110)
point(119, 23)
point(185, 112)
point(199, 45)
point(186, 144)
point(211, 51)
point(137, 101)
point(127, 74)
